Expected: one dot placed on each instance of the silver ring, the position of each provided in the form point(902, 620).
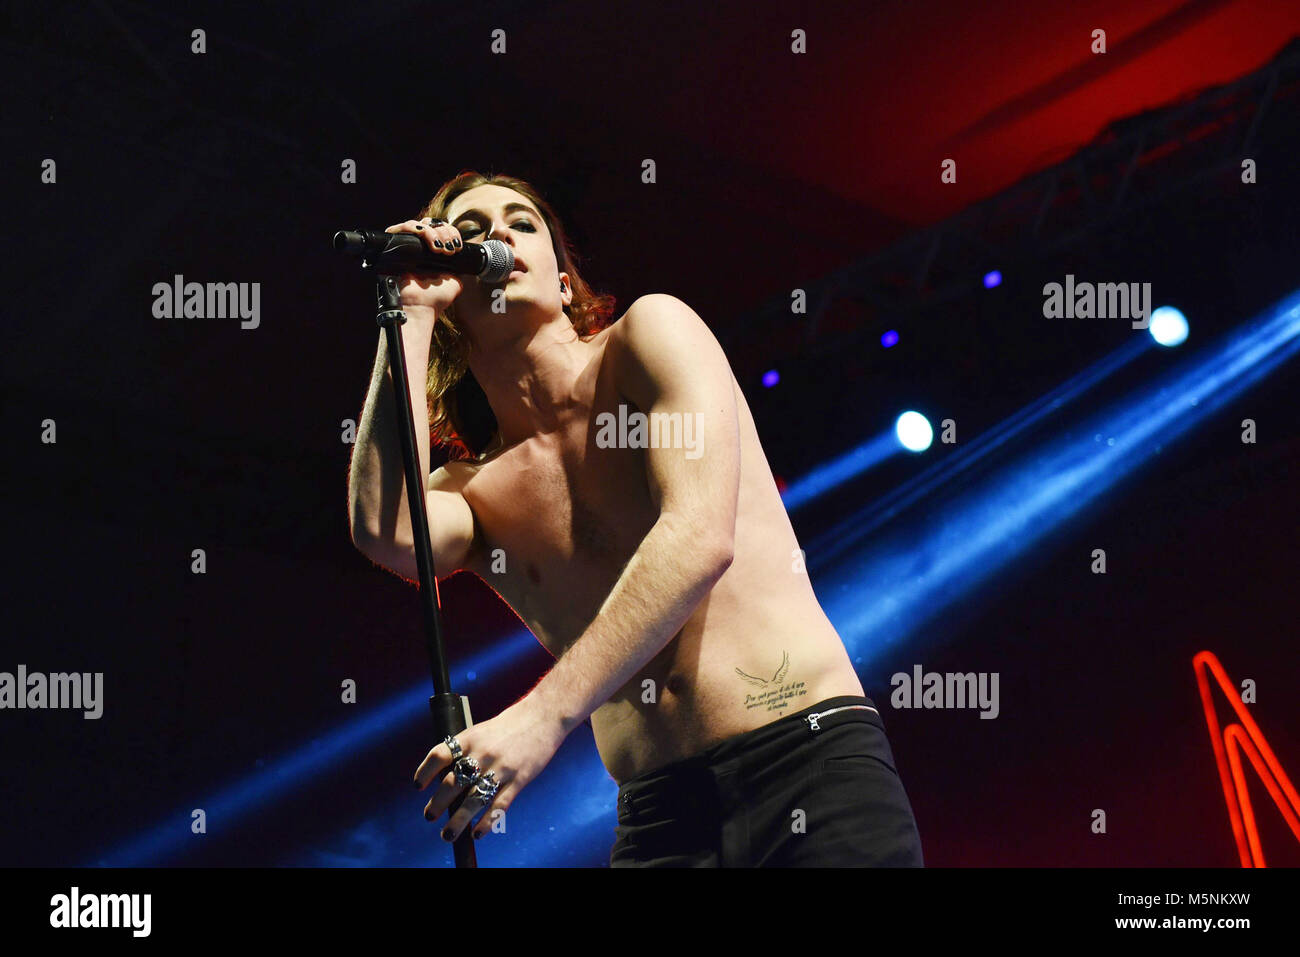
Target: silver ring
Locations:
point(451, 742)
point(466, 770)
point(486, 787)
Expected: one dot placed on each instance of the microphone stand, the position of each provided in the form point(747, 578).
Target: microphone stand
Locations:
point(451, 714)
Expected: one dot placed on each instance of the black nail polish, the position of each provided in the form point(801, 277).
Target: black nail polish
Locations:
point(446, 835)
point(419, 227)
point(438, 243)
point(457, 242)
point(477, 835)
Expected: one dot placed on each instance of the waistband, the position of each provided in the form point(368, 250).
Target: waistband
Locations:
point(684, 772)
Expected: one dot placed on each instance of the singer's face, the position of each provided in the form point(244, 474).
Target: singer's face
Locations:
point(495, 212)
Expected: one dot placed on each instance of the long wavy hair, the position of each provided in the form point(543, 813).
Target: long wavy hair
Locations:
point(459, 414)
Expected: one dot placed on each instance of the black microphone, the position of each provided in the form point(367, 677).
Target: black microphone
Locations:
point(491, 260)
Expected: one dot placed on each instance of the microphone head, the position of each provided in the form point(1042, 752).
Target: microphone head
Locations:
point(498, 261)
point(350, 241)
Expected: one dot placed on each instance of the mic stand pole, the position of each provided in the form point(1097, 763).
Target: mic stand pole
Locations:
point(451, 713)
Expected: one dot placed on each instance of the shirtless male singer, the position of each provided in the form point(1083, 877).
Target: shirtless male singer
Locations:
point(663, 574)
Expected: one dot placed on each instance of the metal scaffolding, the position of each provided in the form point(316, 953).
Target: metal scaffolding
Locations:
point(1135, 163)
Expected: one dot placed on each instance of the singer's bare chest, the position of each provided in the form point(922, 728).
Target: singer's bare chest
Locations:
point(559, 514)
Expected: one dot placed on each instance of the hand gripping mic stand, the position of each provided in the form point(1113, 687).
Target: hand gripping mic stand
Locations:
point(451, 713)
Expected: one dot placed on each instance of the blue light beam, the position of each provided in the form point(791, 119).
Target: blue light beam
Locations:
point(887, 592)
point(292, 772)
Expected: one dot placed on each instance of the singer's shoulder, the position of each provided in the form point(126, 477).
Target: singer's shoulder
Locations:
point(658, 304)
point(453, 475)
point(655, 317)
point(664, 341)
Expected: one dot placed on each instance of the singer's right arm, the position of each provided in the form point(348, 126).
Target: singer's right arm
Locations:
point(377, 501)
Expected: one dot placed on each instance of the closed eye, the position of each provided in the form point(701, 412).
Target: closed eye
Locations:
point(467, 231)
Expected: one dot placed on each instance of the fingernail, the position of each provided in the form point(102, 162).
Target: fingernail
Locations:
point(446, 835)
point(438, 243)
point(457, 243)
point(477, 835)
point(417, 784)
point(419, 227)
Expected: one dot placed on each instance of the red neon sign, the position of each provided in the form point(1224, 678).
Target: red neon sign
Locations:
point(1228, 747)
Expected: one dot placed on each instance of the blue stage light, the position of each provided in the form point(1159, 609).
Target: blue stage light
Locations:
point(992, 279)
point(771, 377)
point(1168, 326)
point(886, 585)
point(889, 338)
point(914, 431)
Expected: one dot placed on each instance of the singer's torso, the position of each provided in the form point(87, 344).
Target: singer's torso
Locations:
point(568, 515)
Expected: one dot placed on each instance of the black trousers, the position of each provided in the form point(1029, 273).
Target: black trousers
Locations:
point(792, 793)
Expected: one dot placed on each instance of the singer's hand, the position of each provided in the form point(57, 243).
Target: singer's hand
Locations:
point(434, 291)
point(515, 746)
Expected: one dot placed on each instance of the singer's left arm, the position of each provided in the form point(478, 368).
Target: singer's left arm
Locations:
point(667, 362)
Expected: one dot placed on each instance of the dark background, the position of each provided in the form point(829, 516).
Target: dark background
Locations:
point(775, 171)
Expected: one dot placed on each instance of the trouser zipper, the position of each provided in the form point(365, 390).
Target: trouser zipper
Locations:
point(812, 718)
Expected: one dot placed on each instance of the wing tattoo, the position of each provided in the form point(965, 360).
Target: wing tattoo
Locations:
point(775, 679)
point(785, 666)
